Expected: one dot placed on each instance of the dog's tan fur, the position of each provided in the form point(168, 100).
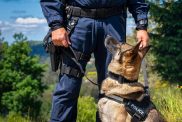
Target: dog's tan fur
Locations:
point(126, 62)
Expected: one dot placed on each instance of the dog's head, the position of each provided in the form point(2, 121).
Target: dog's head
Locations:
point(126, 59)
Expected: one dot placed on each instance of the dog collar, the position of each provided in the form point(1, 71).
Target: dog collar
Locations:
point(120, 78)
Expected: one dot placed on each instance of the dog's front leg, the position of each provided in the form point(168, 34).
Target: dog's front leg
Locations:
point(111, 111)
point(154, 116)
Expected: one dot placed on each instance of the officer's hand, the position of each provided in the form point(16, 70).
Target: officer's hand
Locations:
point(60, 37)
point(142, 35)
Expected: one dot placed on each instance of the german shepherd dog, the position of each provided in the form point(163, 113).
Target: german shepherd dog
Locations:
point(126, 62)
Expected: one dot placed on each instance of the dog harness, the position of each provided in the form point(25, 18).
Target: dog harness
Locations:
point(120, 78)
point(138, 110)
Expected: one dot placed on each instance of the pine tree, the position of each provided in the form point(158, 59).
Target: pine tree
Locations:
point(20, 78)
point(167, 39)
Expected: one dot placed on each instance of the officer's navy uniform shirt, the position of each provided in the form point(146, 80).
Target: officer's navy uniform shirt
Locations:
point(53, 11)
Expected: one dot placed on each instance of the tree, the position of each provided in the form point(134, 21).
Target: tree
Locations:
point(20, 78)
point(1, 44)
point(167, 38)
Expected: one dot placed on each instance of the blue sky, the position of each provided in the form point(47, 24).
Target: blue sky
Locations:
point(24, 16)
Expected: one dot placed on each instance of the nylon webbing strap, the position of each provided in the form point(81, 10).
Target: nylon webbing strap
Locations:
point(146, 83)
point(71, 71)
point(81, 56)
point(75, 60)
point(120, 78)
point(144, 66)
point(115, 98)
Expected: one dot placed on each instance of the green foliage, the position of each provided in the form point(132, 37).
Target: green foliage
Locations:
point(168, 101)
point(86, 110)
point(167, 38)
point(20, 78)
point(1, 38)
point(12, 117)
point(46, 105)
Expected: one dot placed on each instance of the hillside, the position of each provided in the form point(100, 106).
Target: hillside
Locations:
point(37, 49)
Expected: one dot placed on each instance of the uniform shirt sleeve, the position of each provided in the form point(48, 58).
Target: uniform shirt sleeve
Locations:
point(53, 12)
point(139, 10)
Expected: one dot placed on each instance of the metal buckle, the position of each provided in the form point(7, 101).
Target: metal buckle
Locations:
point(78, 75)
point(121, 79)
point(137, 116)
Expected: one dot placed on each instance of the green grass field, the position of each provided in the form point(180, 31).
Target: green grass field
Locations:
point(167, 99)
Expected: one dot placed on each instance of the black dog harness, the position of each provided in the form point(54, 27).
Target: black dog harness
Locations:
point(120, 78)
point(138, 110)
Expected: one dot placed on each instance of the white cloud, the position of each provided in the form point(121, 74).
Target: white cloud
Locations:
point(23, 24)
point(32, 29)
point(30, 20)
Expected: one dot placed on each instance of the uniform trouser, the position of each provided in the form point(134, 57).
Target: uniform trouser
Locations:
point(88, 37)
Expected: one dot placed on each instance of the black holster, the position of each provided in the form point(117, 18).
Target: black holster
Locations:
point(54, 52)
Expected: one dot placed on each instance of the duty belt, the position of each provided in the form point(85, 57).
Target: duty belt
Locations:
point(99, 13)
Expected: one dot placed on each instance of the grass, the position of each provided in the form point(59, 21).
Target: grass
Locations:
point(14, 118)
point(168, 100)
point(86, 109)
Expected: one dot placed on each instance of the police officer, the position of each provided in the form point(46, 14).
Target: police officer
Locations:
point(93, 20)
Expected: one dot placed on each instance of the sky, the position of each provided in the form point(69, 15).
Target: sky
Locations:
point(25, 16)
point(22, 16)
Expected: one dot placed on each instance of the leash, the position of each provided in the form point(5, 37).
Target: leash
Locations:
point(72, 57)
point(146, 82)
point(75, 60)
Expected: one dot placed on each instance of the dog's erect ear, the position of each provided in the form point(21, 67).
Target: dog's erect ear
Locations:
point(111, 44)
point(136, 47)
point(144, 51)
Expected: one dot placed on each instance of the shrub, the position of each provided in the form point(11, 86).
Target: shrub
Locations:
point(167, 38)
point(20, 79)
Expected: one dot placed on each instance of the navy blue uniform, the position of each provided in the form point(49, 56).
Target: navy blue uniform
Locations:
point(88, 37)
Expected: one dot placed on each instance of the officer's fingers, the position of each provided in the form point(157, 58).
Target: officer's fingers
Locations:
point(139, 39)
point(64, 40)
point(142, 36)
point(57, 40)
point(145, 41)
point(68, 40)
point(65, 43)
point(141, 45)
